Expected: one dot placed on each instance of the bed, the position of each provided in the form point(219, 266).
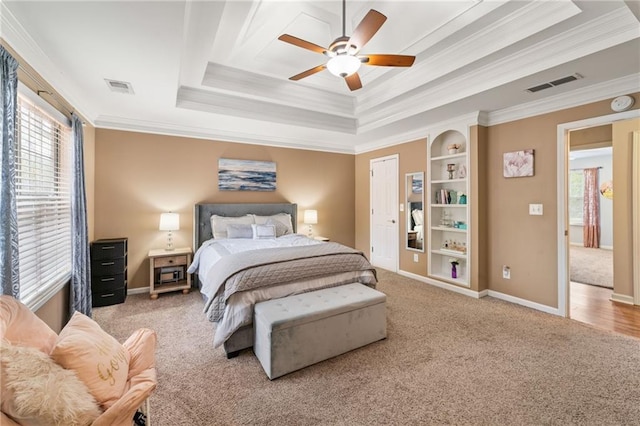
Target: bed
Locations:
point(235, 271)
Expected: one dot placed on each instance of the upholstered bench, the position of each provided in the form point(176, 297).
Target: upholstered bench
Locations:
point(300, 330)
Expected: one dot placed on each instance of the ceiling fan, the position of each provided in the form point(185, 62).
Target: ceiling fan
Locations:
point(344, 60)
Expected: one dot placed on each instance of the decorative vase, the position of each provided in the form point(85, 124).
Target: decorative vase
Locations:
point(453, 150)
point(463, 199)
point(454, 271)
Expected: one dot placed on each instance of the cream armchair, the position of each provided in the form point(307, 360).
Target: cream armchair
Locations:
point(21, 327)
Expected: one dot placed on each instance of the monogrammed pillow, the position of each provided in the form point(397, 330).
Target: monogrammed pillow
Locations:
point(98, 359)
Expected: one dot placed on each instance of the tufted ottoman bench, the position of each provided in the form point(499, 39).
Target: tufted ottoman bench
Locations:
point(300, 330)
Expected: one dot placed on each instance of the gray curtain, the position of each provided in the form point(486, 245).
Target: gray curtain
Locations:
point(9, 265)
point(80, 264)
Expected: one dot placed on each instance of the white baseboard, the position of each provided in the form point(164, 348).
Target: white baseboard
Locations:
point(606, 247)
point(524, 302)
point(138, 290)
point(446, 286)
point(621, 298)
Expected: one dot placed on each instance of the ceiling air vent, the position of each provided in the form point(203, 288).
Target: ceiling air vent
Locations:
point(119, 86)
point(554, 83)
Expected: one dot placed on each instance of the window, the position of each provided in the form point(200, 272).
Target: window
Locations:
point(576, 196)
point(43, 200)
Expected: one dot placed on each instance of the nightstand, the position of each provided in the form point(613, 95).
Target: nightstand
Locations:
point(168, 271)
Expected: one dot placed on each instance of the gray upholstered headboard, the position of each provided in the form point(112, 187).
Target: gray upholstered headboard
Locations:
point(202, 213)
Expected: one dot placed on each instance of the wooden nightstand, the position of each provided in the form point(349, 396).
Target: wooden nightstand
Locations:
point(168, 271)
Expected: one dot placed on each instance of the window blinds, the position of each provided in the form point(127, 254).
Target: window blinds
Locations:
point(43, 169)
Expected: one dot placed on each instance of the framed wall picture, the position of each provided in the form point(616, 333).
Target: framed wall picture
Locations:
point(518, 163)
point(246, 175)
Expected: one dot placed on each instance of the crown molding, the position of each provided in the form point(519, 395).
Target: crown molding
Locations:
point(512, 28)
point(585, 95)
point(605, 31)
point(19, 39)
point(228, 104)
point(424, 132)
point(169, 129)
point(274, 90)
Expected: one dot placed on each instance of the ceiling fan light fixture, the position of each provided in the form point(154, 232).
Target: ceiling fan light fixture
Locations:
point(343, 65)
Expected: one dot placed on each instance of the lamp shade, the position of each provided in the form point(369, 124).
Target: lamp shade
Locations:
point(310, 217)
point(169, 221)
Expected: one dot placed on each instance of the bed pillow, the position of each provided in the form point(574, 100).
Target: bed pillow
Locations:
point(263, 232)
point(36, 390)
point(284, 218)
point(281, 228)
point(97, 358)
point(239, 231)
point(219, 224)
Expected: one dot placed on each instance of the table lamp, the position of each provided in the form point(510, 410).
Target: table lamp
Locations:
point(310, 218)
point(169, 222)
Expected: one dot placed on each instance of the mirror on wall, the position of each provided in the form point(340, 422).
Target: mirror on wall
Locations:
point(415, 212)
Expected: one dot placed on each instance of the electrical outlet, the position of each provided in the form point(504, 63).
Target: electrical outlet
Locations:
point(506, 272)
point(415, 257)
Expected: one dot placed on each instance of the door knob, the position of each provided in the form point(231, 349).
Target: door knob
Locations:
point(392, 221)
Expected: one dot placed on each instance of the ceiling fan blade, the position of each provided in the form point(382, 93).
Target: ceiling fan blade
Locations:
point(301, 43)
point(308, 72)
point(367, 28)
point(353, 81)
point(388, 60)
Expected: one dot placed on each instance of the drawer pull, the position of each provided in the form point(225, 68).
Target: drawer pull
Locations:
point(108, 263)
point(107, 295)
point(107, 279)
point(108, 247)
point(170, 260)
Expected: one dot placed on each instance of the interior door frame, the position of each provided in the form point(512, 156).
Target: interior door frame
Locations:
point(397, 224)
point(635, 191)
point(563, 194)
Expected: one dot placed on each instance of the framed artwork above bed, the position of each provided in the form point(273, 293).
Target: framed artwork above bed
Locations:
point(246, 175)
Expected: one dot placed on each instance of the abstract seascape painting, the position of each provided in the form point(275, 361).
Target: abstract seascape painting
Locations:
point(246, 175)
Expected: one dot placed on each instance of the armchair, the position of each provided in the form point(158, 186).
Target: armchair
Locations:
point(21, 327)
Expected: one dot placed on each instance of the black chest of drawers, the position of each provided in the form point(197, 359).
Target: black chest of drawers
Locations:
point(108, 271)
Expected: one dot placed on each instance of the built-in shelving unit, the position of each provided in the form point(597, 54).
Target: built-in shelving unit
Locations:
point(448, 206)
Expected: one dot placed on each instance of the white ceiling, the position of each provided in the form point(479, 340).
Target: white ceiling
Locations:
point(215, 69)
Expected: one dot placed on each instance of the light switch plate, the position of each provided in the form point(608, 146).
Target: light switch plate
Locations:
point(535, 209)
point(506, 272)
point(415, 257)
point(401, 207)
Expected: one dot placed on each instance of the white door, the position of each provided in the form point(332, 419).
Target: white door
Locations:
point(384, 212)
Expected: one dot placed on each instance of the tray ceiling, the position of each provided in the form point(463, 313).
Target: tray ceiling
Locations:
point(216, 69)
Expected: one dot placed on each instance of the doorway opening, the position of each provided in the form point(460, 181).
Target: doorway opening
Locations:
point(590, 209)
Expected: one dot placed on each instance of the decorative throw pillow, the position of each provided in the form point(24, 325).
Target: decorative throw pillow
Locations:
point(36, 390)
point(239, 231)
point(219, 224)
point(97, 358)
point(281, 228)
point(284, 218)
point(263, 232)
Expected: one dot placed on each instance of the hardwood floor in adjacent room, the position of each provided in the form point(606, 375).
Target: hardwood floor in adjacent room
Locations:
point(591, 305)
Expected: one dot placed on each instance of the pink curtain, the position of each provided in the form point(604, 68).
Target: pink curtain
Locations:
point(591, 209)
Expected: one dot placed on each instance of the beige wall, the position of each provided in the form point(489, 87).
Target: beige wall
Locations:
point(591, 137)
point(138, 176)
point(528, 244)
point(622, 206)
point(503, 231)
point(412, 158)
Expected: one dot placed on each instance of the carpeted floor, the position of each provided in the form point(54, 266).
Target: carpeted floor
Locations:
point(448, 359)
point(591, 266)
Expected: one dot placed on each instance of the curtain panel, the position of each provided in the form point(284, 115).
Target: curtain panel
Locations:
point(80, 293)
point(591, 209)
point(9, 260)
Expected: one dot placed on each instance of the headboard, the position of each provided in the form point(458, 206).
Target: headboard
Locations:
point(202, 213)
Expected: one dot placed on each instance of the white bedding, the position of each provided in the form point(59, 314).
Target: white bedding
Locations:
point(239, 308)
